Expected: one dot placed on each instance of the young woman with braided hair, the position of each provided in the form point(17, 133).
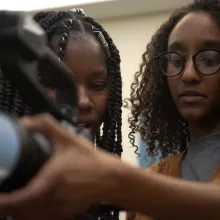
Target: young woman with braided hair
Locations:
point(97, 68)
point(90, 53)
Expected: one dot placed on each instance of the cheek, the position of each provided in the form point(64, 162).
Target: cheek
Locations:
point(173, 84)
point(100, 101)
point(213, 90)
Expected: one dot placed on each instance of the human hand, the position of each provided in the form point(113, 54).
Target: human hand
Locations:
point(74, 178)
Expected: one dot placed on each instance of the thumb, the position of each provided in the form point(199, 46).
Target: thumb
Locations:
point(45, 124)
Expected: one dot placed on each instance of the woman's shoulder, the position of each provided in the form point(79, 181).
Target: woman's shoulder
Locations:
point(170, 164)
point(169, 167)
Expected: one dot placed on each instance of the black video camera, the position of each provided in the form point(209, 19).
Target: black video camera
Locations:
point(24, 52)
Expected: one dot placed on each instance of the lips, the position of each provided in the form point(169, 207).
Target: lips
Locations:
point(190, 96)
point(88, 124)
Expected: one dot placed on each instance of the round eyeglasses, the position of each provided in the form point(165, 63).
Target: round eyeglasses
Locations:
point(206, 61)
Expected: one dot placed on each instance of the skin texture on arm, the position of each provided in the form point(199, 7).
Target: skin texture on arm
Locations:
point(165, 197)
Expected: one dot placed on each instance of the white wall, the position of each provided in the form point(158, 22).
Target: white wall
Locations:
point(131, 35)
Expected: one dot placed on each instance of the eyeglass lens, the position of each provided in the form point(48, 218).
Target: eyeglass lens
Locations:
point(206, 62)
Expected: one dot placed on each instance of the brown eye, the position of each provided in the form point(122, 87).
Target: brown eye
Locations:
point(208, 61)
point(98, 86)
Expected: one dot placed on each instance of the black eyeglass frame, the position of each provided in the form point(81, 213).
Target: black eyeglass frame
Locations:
point(183, 59)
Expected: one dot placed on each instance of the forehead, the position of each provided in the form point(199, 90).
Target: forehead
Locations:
point(82, 54)
point(85, 50)
point(196, 29)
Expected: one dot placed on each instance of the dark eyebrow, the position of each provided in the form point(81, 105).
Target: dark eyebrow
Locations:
point(206, 44)
point(98, 74)
point(176, 46)
point(211, 44)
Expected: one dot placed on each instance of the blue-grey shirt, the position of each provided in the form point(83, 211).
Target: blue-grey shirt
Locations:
point(202, 158)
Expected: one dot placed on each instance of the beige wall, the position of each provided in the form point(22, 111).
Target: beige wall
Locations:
point(131, 36)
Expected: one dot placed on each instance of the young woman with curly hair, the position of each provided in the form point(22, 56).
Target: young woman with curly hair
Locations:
point(176, 94)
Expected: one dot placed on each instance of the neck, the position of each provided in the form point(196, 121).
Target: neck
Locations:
point(202, 128)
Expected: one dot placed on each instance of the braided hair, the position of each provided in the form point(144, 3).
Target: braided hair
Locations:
point(154, 113)
point(10, 99)
point(75, 24)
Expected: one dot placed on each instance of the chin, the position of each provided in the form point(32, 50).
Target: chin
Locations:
point(94, 131)
point(192, 114)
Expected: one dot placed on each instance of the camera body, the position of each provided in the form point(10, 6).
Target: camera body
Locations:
point(24, 51)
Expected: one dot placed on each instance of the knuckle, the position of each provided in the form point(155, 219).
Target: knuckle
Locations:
point(46, 117)
point(42, 122)
point(46, 120)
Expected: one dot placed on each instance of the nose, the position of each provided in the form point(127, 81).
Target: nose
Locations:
point(190, 75)
point(85, 104)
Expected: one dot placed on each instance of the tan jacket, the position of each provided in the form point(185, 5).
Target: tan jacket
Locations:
point(170, 167)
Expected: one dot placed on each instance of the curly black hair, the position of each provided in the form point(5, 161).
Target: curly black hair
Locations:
point(153, 112)
point(67, 25)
